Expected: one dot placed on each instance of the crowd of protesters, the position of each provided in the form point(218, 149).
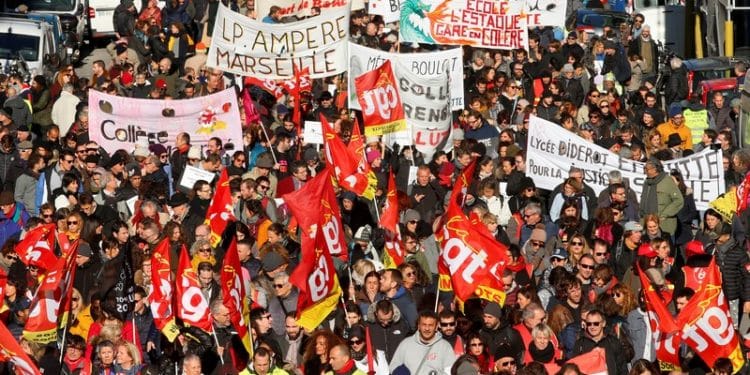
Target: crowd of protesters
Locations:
point(571, 284)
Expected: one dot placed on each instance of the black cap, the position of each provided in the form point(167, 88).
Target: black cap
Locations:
point(178, 199)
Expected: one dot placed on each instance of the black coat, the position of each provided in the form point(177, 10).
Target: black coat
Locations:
point(124, 21)
point(733, 262)
point(614, 352)
point(677, 86)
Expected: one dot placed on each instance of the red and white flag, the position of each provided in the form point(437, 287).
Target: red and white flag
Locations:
point(389, 218)
point(162, 295)
point(35, 249)
point(380, 101)
point(11, 351)
point(192, 306)
point(220, 211)
point(350, 167)
point(235, 295)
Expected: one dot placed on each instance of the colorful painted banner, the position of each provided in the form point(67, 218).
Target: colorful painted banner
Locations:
point(480, 23)
point(244, 46)
point(427, 64)
point(303, 8)
point(553, 150)
point(378, 95)
point(118, 122)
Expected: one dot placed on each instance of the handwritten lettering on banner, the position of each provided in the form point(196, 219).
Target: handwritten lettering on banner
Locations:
point(427, 64)
point(482, 23)
point(119, 123)
point(303, 8)
point(244, 46)
point(553, 150)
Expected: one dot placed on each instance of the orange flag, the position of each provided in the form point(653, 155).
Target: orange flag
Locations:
point(162, 284)
point(220, 211)
point(350, 168)
point(235, 295)
point(192, 306)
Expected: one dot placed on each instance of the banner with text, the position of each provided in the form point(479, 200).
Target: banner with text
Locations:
point(427, 110)
point(244, 46)
point(118, 122)
point(542, 12)
point(481, 23)
point(378, 95)
point(303, 8)
point(428, 64)
point(552, 150)
point(388, 9)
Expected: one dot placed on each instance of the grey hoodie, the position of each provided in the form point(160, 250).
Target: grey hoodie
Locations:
point(433, 357)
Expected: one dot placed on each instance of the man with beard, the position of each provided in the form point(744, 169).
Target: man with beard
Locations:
point(447, 319)
point(295, 181)
point(661, 196)
point(624, 253)
point(497, 331)
point(293, 341)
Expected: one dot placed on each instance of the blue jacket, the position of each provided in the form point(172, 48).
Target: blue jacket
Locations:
point(10, 227)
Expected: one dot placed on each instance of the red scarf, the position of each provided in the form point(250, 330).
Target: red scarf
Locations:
point(347, 367)
point(743, 194)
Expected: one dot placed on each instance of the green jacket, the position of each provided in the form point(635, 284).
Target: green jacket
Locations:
point(661, 196)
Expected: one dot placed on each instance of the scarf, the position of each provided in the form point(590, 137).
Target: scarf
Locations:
point(347, 367)
point(73, 365)
point(604, 232)
point(545, 355)
point(519, 266)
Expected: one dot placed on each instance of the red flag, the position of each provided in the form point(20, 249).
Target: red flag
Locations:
point(316, 279)
point(162, 286)
point(593, 362)
point(268, 85)
point(220, 211)
point(461, 186)
point(233, 290)
point(315, 203)
point(35, 248)
point(11, 351)
point(380, 100)
point(370, 359)
point(251, 112)
point(3, 283)
point(192, 306)
point(655, 302)
point(54, 291)
point(300, 76)
point(394, 255)
point(350, 168)
point(706, 324)
point(472, 257)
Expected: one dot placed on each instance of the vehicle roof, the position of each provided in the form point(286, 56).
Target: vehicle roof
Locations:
point(24, 25)
point(709, 63)
point(719, 84)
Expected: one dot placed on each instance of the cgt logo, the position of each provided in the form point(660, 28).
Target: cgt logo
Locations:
point(383, 99)
point(318, 280)
point(459, 257)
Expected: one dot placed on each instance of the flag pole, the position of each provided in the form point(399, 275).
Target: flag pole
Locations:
point(62, 347)
point(270, 146)
point(216, 338)
point(437, 295)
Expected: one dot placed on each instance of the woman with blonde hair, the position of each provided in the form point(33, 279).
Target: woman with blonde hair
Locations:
point(80, 315)
point(200, 252)
point(577, 247)
point(74, 226)
point(625, 298)
point(654, 143)
point(128, 359)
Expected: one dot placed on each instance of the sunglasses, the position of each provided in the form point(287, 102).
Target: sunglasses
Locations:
point(356, 342)
point(48, 216)
point(576, 243)
point(447, 324)
point(587, 266)
point(537, 243)
point(278, 286)
point(600, 254)
point(73, 222)
point(508, 363)
point(264, 187)
point(412, 221)
point(476, 344)
point(593, 324)
point(208, 250)
point(75, 299)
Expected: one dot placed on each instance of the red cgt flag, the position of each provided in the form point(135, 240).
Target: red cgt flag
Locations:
point(394, 255)
point(162, 284)
point(219, 213)
point(54, 291)
point(380, 100)
point(316, 279)
point(35, 249)
point(11, 351)
point(350, 168)
point(192, 306)
point(315, 204)
point(235, 295)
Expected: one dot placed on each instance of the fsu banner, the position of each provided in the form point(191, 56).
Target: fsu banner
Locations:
point(162, 284)
point(235, 295)
point(350, 168)
point(35, 249)
point(314, 205)
point(316, 279)
point(219, 212)
point(704, 324)
point(244, 46)
point(380, 101)
point(53, 292)
point(11, 351)
point(118, 122)
point(192, 306)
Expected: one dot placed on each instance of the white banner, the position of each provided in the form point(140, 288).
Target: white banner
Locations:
point(244, 46)
point(388, 9)
point(427, 109)
point(303, 8)
point(428, 64)
point(542, 12)
point(118, 122)
point(553, 150)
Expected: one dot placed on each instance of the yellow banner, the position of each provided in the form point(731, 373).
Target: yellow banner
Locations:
point(389, 127)
point(171, 330)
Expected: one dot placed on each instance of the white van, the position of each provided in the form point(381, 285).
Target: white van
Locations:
point(26, 42)
point(101, 17)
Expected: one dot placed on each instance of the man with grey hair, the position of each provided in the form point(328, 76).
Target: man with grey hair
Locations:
point(64, 109)
point(619, 191)
point(153, 172)
point(677, 86)
point(661, 196)
point(531, 316)
point(284, 301)
point(645, 47)
point(191, 365)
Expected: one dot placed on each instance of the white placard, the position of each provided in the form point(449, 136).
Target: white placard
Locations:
point(313, 132)
point(191, 175)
